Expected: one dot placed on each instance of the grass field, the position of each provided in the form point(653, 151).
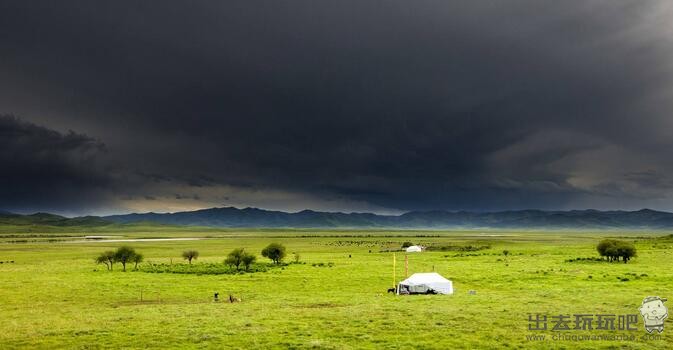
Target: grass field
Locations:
point(54, 296)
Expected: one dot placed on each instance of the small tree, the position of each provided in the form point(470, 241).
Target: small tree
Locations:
point(505, 252)
point(189, 255)
point(124, 255)
point(137, 259)
point(235, 257)
point(247, 260)
point(296, 257)
point(275, 252)
point(107, 258)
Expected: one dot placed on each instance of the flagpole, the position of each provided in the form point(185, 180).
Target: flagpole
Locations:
point(394, 277)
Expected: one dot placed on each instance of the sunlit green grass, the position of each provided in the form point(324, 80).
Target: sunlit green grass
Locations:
point(54, 296)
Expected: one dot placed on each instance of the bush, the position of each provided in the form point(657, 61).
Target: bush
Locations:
point(590, 259)
point(465, 248)
point(204, 268)
point(190, 255)
point(248, 259)
point(407, 244)
point(330, 264)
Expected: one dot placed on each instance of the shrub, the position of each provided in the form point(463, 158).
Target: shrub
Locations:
point(203, 268)
point(329, 264)
point(465, 248)
point(247, 260)
point(190, 255)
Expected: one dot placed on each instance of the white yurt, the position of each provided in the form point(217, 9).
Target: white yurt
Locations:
point(425, 283)
point(414, 249)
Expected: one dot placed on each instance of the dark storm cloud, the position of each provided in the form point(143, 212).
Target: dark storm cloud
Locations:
point(424, 105)
point(42, 167)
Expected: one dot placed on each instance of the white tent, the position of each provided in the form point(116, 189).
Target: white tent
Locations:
point(425, 283)
point(414, 249)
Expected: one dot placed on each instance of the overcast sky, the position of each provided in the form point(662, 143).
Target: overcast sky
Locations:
point(381, 106)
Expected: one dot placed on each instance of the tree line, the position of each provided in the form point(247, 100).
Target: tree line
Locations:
point(237, 258)
point(122, 255)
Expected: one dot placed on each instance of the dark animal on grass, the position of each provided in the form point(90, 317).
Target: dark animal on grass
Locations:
point(391, 290)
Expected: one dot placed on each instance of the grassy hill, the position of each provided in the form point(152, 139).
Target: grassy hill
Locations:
point(47, 219)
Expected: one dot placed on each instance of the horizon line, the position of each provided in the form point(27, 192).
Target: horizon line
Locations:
point(342, 212)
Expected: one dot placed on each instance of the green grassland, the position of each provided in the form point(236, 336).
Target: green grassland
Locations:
point(53, 296)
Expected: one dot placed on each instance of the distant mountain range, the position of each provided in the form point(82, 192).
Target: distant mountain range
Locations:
point(46, 219)
point(253, 217)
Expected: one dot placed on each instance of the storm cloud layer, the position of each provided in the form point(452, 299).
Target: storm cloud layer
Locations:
point(353, 106)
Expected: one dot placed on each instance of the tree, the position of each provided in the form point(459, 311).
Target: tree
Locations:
point(613, 249)
point(189, 255)
point(107, 258)
point(275, 252)
point(606, 248)
point(137, 259)
point(626, 250)
point(248, 259)
point(235, 257)
point(124, 254)
point(505, 252)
